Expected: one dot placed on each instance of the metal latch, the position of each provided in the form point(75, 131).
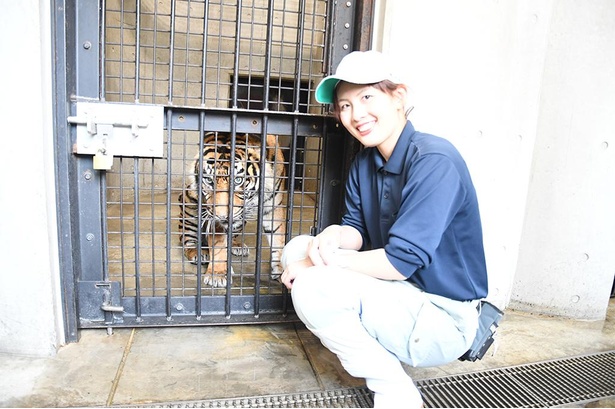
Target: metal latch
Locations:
point(100, 302)
point(106, 129)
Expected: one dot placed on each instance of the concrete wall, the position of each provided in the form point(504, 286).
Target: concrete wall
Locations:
point(567, 253)
point(525, 90)
point(30, 312)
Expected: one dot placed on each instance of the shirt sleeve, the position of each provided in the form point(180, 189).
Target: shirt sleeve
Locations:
point(431, 196)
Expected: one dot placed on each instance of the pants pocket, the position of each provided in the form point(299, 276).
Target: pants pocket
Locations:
point(436, 339)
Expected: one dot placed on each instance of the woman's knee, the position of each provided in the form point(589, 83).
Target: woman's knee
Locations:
point(295, 249)
point(310, 286)
point(313, 296)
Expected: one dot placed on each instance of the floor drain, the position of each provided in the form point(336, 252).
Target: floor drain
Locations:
point(544, 384)
point(336, 398)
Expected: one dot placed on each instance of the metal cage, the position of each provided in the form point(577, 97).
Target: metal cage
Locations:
point(222, 68)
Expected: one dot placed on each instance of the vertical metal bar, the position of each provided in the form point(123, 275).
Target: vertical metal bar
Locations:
point(199, 238)
point(137, 240)
point(101, 86)
point(122, 232)
point(204, 57)
point(152, 225)
point(328, 40)
point(168, 204)
point(237, 53)
point(229, 233)
point(103, 226)
point(187, 58)
point(172, 52)
point(268, 50)
point(63, 49)
point(363, 24)
point(331, 191)
point(87, 71)
point(137, 52)
point(299, 63)
point(342, 32)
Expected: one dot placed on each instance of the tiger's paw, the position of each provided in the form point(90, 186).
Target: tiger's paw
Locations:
point(217, 278)
point(276, 271)
point(192, 255)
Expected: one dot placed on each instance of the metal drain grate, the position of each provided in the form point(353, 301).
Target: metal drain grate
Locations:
point(544, 384)
point(336, 398)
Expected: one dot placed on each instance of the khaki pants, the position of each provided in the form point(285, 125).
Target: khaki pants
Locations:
point(373, 325)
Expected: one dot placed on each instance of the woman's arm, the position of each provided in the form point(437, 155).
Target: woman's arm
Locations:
point(337, 246)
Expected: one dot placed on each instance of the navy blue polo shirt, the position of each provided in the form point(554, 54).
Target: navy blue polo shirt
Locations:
point(421, 207)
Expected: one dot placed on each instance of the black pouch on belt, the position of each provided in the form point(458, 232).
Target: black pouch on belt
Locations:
point(489, 317)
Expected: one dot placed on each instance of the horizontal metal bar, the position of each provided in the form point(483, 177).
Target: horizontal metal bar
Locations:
point(192, 321)
point(186, 306)
point(247, 122)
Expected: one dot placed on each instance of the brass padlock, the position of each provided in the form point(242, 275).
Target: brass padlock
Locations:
point(102, 160)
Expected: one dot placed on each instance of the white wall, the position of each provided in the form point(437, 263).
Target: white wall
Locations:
point(497, 79)
point(568, 241)
point(30, 313)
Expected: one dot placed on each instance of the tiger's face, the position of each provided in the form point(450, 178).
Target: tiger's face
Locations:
point(223, 189)
point(229, 180)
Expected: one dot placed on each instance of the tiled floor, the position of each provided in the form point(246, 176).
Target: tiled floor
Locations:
point(175, 364)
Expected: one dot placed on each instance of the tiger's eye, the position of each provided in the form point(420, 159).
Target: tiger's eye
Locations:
point(208, 180)
point(238, 180)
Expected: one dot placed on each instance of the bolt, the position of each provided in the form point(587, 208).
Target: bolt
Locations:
point(87, 45)
point(347, 25)
point(89, 237)
point(348, 4)
point(87, 175)
point(345, 46)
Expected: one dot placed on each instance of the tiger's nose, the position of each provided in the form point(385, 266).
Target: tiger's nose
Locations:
point(223, 212)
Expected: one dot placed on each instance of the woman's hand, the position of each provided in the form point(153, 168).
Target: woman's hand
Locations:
point(322, 248)
point(293, 270)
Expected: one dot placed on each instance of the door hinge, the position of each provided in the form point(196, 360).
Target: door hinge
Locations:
point(106, 129)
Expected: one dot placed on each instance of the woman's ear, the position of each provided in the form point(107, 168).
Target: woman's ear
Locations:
point(401, 94)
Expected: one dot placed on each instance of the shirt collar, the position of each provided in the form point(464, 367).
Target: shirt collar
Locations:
point(396, 162)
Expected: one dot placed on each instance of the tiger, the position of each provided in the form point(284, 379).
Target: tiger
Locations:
point(215, 201)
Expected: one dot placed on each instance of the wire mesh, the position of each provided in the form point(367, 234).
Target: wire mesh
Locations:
point(215, 54)
point(193, 57)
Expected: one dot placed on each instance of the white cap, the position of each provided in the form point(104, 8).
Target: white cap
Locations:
point(358, 67)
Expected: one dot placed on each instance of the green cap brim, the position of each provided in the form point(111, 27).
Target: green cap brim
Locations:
point(325, 91)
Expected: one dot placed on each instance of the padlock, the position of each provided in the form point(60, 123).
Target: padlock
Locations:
point(103, 161)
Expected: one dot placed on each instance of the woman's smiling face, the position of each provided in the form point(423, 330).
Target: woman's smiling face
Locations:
point(374, 117)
